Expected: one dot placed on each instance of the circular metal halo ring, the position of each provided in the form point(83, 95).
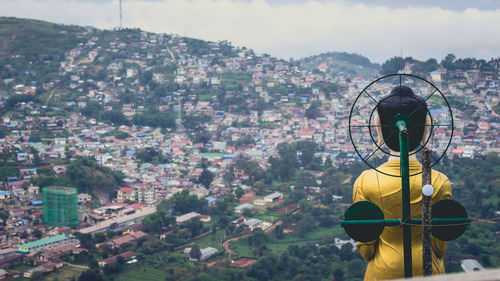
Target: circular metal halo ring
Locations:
point(432, 125)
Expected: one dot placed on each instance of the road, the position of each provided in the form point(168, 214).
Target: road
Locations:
point(76, 265)
point(226, 243)
point(12, 195)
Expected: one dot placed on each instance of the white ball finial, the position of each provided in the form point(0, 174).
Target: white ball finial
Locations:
point(427, 190)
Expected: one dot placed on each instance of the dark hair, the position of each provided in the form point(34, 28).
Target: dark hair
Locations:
point(409, 107)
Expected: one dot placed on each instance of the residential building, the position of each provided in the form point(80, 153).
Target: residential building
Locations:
point(273, 197)
point(239, 209)
point(471, 265)
point(46, 243)
point(126, 193)
point(60, 206)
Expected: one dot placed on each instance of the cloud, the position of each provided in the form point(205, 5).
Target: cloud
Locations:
point(294, 29)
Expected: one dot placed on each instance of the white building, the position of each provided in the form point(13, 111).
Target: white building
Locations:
point(273, 197)
point(471, 265)
point(239, 209)
point(205, 253)
point(259, 202)
point(184, 218)
point(253, 223)
point(146, 194)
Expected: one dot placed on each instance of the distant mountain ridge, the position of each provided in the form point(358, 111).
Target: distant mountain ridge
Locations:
point(334, 63)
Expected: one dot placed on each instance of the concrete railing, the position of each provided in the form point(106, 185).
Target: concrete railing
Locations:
point(483, 275)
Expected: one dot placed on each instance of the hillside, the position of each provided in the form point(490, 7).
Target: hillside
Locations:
point(36, 39)
point(32, 49)
point(341, 63)
point(87, 176)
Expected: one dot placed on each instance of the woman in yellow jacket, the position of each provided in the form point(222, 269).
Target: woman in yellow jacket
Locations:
point(385, 254)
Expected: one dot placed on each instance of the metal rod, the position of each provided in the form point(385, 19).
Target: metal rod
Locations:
point(427, 191)
point(405, 188)
point(391, 222)
point(416, 222)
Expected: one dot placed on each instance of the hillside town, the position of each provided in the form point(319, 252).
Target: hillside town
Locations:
point(164, 111)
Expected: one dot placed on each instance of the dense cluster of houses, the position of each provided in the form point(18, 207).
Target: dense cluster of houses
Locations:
point(285, 89)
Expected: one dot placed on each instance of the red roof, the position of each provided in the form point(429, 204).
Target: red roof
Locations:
point(143, 186)
point(136, 206)
point(484, 124)
point(117, 204)
point(127, 189)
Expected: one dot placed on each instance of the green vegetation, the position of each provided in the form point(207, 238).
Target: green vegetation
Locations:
point(150, 155)
point(16, 36)
point(154, 118)
point(319, 235)
point(350, 65)
point(64, 273)
point(85, 174)
point(496, 108)
point(211, 240)
point(135, 272)
point(235, 80)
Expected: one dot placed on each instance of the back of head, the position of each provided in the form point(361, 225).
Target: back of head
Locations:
point(402, 104)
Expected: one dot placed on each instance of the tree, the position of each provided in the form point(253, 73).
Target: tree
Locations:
point(229, 198)
point(120, 260)
point(346, 252)
point(328, 163)
point(86, 241)
point(182, 202)
point(448, 61)
point(278, 232)
point(258, 238)
point(220, 207)
point(5, 172)
point(228, 176)
point(305, 179)
point(37, 233)
point(195, 253)
point(239, 192)
point(307, 149)
point(313, 112)
point(201, 137)
point(93, 264)
point(287, 161)
point(99, 237)
point(355, 267)
point(195, 226)
point(149, 154)
point(251, 168)
point(393, 65)
point(247, 212)
point(206, 178)
point(90, 275)
point(306, 224)
point(338, 274)
point(116, 117)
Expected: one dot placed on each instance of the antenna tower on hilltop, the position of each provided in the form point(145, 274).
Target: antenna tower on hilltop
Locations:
point(121, 22)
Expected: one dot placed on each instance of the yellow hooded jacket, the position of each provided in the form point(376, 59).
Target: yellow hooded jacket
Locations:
point(385, 255)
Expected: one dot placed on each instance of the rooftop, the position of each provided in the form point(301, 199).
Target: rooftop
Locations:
point(44, 241)
point(63, 189)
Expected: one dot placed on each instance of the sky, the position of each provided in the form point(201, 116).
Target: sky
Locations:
point(297, 28)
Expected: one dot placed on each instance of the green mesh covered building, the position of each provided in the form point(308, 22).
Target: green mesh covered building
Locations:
point(60, 206)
